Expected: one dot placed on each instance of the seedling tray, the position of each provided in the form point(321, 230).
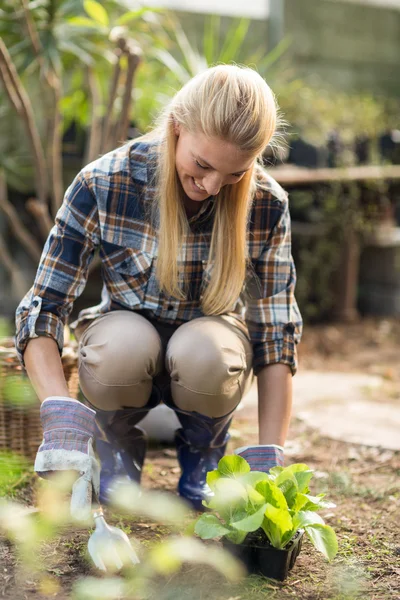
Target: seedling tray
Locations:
point(264, 559)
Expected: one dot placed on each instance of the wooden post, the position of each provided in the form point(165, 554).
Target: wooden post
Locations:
point(347, 278)
point(276, 23)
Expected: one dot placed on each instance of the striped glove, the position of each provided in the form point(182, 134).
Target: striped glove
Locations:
point(68, 430)
point(262, 458)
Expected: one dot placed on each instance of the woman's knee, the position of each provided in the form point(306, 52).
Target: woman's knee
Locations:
point(209, 365)
point(119, 354)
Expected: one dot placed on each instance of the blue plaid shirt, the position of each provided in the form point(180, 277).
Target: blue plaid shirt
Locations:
point(107, 208)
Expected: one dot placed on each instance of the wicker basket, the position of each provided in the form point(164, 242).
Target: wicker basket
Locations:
point(20, 427)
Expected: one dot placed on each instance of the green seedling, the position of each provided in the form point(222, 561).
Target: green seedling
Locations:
point(278, 503)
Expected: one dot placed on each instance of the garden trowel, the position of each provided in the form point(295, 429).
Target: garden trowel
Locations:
point(109, 547)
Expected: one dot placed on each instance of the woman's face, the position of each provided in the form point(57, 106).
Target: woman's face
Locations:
point(205, 165)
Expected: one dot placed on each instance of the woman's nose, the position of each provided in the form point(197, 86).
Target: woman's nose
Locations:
point(213, 184)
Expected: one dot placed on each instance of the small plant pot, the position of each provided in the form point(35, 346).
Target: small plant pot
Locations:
point(261, 558)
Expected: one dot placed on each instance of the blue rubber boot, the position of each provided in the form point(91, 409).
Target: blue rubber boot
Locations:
point(200, 444)
point(121, 445)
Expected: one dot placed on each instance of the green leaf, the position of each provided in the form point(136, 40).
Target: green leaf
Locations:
point(303, 476)
point(211, 37)
point(275, 54)
point(280, 517)
point(276, 523)
point(275, 471)
point(302, 503)
point(97, 12)
point(317, 502)
point(306, 517)
point(319, 499)
point(255, 499)
point(287, 482)
point(209, 526)
point(82, 22)
point(194, 61)
point(324, 539)
point(251, 522)
point(76, 50)
point(228, 494)
point(131, 15)
point(212, 477)
point(172, 64)
point(92, 588)
point(167, 557)
point(233, 466)
point(253, 477)
point(236, 536)
point(190, 528)
point(234, 39)
point(272, 494)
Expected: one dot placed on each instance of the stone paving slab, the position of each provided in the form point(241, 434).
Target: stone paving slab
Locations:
point(340, 406)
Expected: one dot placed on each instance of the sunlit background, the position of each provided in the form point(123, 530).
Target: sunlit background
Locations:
point(77, 78)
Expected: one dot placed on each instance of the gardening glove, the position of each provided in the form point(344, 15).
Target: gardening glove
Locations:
point(262, 458)
point(68, 430)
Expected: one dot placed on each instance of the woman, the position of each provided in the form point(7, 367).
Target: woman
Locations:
point(194, 239)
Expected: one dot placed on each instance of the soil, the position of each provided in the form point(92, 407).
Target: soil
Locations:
point(363, 482)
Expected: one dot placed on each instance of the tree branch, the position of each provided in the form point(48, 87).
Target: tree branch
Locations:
point(18, 228)
point(12, 83)
point(94, 145)
point(108, 123)
point(134, 59)
point(54, 148)
point(32, 31)
point(42, 216)
point(17, 279)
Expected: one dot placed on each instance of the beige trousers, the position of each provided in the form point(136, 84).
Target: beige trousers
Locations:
point(207, 362)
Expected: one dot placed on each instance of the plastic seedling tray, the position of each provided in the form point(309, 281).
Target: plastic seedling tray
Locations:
point(261, 558)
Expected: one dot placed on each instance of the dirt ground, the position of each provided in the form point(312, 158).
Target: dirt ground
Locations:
point(363, 482)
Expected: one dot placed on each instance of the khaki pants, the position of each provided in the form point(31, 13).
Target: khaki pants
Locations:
point(207, 362)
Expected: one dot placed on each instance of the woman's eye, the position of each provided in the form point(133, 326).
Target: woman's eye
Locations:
point(199, 165)
point(238, 174)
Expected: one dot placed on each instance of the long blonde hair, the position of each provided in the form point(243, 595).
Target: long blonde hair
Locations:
point(236, 105)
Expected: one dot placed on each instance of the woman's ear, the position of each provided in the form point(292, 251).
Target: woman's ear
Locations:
point(177, 127)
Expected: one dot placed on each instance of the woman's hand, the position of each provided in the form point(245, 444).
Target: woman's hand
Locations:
point(263, 457)
point(68, 430)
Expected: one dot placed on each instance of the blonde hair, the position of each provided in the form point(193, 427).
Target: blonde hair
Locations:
point(236, 105)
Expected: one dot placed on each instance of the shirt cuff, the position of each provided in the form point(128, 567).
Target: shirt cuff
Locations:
point(43, 324)
point(282, 351)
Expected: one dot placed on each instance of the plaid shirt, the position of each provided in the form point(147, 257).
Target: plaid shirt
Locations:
point(107, 208)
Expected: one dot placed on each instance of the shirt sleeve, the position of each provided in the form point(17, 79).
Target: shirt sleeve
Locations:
point(273, 317)
point(63, 268)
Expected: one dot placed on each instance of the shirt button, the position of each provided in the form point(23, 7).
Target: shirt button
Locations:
point(170, 307)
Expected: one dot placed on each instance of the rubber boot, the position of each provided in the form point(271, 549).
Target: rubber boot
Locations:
point(121, 445)
point(200, 444)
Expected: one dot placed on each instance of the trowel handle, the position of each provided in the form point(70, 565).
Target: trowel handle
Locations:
point(97, 509)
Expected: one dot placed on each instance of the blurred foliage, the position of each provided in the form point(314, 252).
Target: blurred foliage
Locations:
point(32, 532)
point(329, 212)
point(77, 36)
point(314, 112)
point(5, 329)
point(14, 472)
point(16, 390)
point(186, 57)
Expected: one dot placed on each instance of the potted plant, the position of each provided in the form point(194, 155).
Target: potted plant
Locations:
point(262, 517)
